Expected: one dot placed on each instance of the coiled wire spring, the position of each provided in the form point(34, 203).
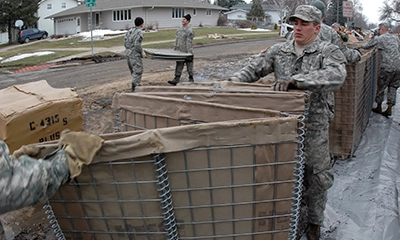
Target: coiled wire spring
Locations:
point(53, 222)
point(299, 174)
point(163, 188)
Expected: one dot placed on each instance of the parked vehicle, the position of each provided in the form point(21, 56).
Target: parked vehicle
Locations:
point(24, 36)
point(285, 29)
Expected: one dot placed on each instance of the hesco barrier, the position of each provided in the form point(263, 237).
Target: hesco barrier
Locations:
point(354, 102)
point(205, 171)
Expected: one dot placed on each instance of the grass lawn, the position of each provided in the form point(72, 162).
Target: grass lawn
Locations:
point(158, 39)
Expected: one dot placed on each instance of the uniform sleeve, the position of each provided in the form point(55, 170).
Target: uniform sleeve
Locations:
point(189, 42)
point(138, 42)
point(329, 77)
point(27, 181)
point(371, 43)
point(259, 67)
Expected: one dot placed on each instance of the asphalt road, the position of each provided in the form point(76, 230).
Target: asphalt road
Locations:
point(83, 76)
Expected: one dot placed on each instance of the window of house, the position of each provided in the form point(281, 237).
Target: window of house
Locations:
point(194, 11)
point(63, 5)
point(208, 12)
point(122, 15)
point(49, 6)
point(178, 12)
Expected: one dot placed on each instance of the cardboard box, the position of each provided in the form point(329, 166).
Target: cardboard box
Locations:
point(36, 112)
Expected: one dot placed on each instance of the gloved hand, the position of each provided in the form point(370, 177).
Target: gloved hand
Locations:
point(30, 150)
point(264, 50)
point(144, 55)
point(233, 79)
point(283, 84)
point(80, 148)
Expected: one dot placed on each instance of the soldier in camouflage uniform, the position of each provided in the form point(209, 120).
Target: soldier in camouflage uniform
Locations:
point(318, 67)
point(329, 34)
point(134, 51)
point(183, 43)
point(27, 181)
point(389, 74)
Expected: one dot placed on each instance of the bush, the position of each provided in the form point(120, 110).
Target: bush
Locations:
point(244, 24)
point(222, 20)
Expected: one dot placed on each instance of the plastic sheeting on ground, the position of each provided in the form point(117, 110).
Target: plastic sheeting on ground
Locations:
point(363, 202)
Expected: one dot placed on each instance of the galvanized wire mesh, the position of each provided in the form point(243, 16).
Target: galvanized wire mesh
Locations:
point(244, 191)
point(197, 198)
point(353, 104)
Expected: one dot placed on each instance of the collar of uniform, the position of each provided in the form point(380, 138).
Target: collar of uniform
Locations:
point(312, 47)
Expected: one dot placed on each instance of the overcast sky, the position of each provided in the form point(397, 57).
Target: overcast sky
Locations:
point(371, 9)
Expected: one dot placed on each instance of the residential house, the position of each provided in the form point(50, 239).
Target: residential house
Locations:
point(237, 14)
point(273, 14)
point(120, 15)
point(51, 7)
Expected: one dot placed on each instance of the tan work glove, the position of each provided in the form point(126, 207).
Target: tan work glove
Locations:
point(30, 150)
point(284, 84)
point(144, 55)
point(80, 148)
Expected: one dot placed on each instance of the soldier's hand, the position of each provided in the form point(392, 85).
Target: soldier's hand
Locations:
point(264, 50)
point(30, 150)
point(233, 79)
point(80, 148)
point(144, 55)
point(283, 84)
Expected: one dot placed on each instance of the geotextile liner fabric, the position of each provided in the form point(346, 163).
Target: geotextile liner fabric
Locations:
point(140, 111)
point(230, 179)
point(353, 105)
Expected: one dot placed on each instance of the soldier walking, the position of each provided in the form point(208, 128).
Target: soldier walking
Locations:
point(183, 43)
point(134, 51)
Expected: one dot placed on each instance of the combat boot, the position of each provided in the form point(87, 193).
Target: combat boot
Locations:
point(191, 78)
point(175, 80)
point(133, 87)
point(313, 232)
point(388, 111)
point(378, 109)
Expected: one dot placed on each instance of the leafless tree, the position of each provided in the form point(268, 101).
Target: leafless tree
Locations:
point(390, 11)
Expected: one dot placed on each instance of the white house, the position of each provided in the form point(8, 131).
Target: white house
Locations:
point(120, 14)
point(51, 7)
point(272, 13)
point(237, 14)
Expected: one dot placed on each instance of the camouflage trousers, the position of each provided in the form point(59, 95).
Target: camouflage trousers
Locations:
point(135, 66)
point(389, 80)
point(180, 65)
point(318, 177)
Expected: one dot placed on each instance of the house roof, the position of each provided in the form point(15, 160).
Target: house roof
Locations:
point(247, 7)
point(107, 5)
point(236, 10)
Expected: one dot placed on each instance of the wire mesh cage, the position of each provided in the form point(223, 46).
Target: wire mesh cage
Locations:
point(236, 180)
point(353, 104)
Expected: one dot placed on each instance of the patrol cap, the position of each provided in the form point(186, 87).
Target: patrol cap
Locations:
point(138, 21)
point(383, 25)
point(307, 13)
point(188, 17)
point(320, 5)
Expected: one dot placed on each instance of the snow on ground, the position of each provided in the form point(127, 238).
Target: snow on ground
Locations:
point(99, 33)
point(26, 55)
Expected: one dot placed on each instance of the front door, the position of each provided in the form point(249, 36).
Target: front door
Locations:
point(78, 25)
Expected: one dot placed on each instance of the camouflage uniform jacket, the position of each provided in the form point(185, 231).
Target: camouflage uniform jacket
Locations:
point(133, 42)
point(330, 35)
point(389, 46)
point(320, 70)
point(27, 181)
point(184, 39)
